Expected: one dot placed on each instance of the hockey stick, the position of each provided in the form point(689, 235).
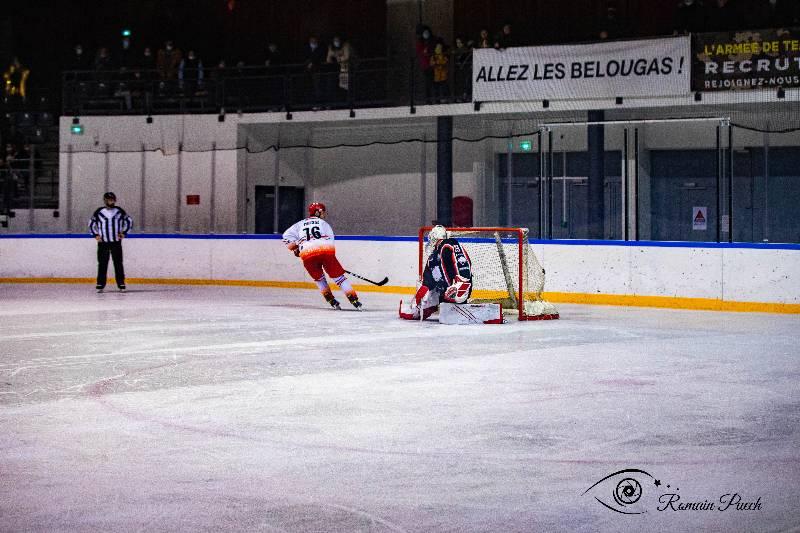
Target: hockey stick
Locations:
point(380, 283)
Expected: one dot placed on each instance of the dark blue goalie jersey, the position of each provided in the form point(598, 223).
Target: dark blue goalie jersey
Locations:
point(448, 259)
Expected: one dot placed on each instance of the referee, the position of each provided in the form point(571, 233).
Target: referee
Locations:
point(109, 225)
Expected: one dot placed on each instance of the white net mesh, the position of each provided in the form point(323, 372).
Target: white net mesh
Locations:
point(495, 256)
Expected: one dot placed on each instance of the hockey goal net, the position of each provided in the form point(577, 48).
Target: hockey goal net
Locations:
point(504, 269)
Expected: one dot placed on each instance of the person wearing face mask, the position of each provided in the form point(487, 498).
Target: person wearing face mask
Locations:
point(125, 61)
point(425, 48)
point(102, 67)
point(342, 53)
point(462, 69)
point(76, 77)
point(145, 66)
point(273, 58)
point(167, 62)
point(190, 74)
point(273, 93)
point(78, 59)
point(689, 17)
point(125, 55)
point(314, 55)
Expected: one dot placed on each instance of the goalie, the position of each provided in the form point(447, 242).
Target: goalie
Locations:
point(447, 277)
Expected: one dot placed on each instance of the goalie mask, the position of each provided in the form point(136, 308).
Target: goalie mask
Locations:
point(438, 233)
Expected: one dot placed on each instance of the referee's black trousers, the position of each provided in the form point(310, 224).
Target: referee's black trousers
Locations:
point(114, 249)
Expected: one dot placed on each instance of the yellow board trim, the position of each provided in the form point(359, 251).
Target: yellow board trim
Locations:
point(668, 302)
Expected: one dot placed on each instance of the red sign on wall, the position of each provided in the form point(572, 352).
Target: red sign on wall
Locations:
point(192, 199)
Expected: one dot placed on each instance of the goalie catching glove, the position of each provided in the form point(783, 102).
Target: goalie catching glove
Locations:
point(458, 291)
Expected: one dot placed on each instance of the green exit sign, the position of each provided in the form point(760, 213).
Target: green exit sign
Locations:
point(526, 146)
point(76, 129)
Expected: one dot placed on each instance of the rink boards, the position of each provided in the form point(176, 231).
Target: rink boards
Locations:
point(729, 277)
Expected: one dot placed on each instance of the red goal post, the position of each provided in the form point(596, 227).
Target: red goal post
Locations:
point(504, 266)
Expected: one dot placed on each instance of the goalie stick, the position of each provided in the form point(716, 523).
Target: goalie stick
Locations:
point(380, 283)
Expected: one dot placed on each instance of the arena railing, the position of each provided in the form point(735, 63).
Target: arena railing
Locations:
point(241, 88)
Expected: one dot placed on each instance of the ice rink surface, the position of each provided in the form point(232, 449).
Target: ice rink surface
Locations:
point(185, 408)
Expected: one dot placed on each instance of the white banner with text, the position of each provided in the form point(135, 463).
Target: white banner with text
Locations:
point(651, 67)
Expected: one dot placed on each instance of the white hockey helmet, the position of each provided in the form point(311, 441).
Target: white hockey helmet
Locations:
point(437, 234)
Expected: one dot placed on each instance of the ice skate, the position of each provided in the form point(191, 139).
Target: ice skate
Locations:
point(99, 289)
point(357, 304)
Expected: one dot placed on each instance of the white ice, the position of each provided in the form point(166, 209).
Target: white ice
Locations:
point(179, 408)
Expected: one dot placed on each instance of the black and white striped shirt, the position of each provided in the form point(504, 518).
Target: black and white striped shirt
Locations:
point(108, 222)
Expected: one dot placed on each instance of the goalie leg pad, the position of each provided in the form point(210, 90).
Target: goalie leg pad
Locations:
point(470, 314)
point(411, 312)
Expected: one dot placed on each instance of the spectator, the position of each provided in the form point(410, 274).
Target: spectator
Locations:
point(168, 61)
point(125, 57)
point(15, 81)
point(314, 54)
point(102, 71)
point(462, 70)
point(22, 158)
point(76, 64)
point(689, 17)
point(314, 58)
point(9, 187)
point(146, 65)
point(216, 76)
point(12, 162)
point(425, 48)
point(147, 60)
point(102, 60)
point(342, 53)
point(218, 72)
point(505, 38)
point(611, 25)
point(274, 93)
point(18, 165)
point(273, 58)
point(439, 61)
point(190, 74)
point(125, 62)
point(77, 60)
point(483, 39)
point(144, 72)
point(10, 153)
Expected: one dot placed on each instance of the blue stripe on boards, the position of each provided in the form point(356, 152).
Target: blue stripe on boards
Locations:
point(392, 238)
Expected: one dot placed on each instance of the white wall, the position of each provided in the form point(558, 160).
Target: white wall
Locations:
point(140, 163)
point(372, 190)
point(719, 273)
point(36, 221)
